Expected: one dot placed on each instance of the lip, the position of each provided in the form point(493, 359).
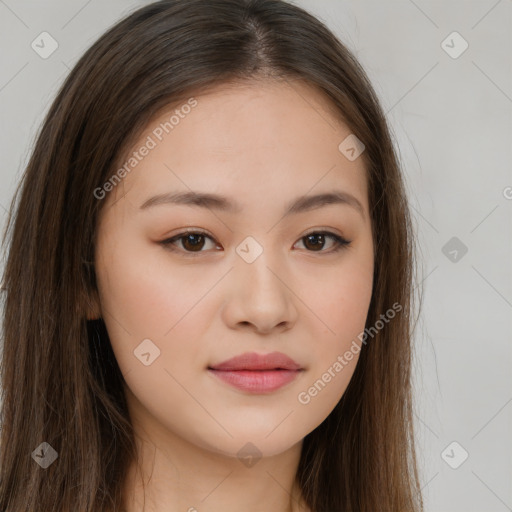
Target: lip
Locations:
point(254, 361)
point(257, 373)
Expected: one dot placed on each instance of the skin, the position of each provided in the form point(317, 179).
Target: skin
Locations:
point(261, 144)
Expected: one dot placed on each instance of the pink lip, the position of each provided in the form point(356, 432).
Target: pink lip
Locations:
point(257, 373)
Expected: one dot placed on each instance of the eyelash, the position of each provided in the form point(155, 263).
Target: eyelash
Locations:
point(341, 243)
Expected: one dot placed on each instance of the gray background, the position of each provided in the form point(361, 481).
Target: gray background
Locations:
point(452, 121)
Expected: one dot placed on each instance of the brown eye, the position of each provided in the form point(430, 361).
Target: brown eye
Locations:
point(191, 241)
point(315, 241)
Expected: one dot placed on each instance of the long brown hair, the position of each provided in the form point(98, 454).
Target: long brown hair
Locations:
point(60, 380)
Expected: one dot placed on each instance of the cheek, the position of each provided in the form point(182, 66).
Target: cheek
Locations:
point(348, 308)
point(340, 298)
point(141, 300)
point(340, 305)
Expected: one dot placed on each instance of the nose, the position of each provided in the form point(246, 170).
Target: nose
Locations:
point(261, 297)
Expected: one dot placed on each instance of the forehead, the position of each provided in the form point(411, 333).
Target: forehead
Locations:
point(237, 138)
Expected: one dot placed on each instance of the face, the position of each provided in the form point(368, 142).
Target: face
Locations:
point(186, 286)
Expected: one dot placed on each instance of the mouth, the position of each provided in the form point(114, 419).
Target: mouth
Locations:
point(257, 373)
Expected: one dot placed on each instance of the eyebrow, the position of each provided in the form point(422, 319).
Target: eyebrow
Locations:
point(217, 202)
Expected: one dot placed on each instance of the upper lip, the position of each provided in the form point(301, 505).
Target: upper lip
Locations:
point(254, 361)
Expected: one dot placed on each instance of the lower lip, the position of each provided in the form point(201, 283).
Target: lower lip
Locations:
point(257, 381)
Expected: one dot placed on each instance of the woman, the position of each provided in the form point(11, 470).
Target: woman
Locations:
point(209, 277)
